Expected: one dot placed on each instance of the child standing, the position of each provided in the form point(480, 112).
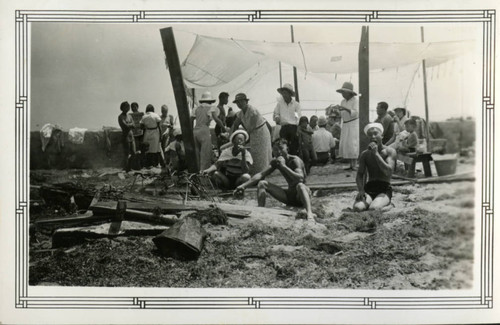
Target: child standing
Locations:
point(305, 141)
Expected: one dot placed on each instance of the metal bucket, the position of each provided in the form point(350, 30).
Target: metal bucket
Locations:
point(183, 241)
point(445, 164)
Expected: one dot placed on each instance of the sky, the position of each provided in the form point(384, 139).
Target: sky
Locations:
point(80, 73)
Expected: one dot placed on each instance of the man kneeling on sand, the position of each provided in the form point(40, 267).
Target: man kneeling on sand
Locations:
point(376, 162)
point(293, 170)
point(231, 169)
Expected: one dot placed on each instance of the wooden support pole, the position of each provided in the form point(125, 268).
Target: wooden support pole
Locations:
point(424, 72)
point(174, 67)
point(295, 81)
point(281, 77)
point(364, 87)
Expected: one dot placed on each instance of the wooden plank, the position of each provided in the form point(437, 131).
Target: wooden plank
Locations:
point(364, 86)
point(168, 207)
point(66, 237)
point(174, 67)
point(105, 214)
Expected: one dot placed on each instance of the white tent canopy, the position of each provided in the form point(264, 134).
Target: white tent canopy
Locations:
point(214, 61)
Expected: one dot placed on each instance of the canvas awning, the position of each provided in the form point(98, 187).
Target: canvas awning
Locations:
point(214, 61)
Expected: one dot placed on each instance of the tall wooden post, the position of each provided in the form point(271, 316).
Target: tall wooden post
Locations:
point(424, 72)
point(364, 87)
point(295, 82)
point(174, 66)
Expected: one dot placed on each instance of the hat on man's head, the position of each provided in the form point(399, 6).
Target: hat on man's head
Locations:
point(400, 108)
point(239, 131)
point(206, 97)
point(240, 96)
point(347, 87)
point(287, 87)
point(322, 121)
point(378, 126)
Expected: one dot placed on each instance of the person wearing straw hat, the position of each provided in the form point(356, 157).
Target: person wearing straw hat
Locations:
point(256, 126)
point(377, 164)
point(203, 115)
point(293, 170)
point(349, 142)
point(287, 113)
point(233, 165)
point(401, 117)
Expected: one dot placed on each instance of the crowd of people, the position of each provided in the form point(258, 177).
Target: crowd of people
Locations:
point(248, 149)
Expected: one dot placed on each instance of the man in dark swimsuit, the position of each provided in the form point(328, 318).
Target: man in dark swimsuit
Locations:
point(376, 162)
point(293, 170)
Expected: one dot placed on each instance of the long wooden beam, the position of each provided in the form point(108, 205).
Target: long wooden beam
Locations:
point(364, 86)
point(295, 80)
point(174, 67)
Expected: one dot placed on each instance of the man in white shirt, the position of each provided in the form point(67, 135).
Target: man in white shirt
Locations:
point(323, 142)
point(287, 114)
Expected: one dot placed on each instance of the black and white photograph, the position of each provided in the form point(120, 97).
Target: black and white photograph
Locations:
point(252, 159)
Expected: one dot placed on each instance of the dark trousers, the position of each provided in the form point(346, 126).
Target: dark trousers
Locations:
point(289, 132)
point(322, 157)
point(152, 159)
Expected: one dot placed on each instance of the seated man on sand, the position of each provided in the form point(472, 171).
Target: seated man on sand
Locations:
point(231, 169)
point(293, 170)
point(375, 163)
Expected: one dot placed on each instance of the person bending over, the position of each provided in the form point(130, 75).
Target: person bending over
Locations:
point(293, 170)
point(375, 163)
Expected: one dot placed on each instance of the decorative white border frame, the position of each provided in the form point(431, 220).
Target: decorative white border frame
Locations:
point(483, 299)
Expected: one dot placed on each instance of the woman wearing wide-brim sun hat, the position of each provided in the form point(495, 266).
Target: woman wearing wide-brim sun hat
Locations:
point(260, 138)
point(349, 142)
point(203, 115)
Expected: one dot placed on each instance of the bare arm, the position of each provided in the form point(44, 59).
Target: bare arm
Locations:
point(360, 176)
point(218, 121)
point(387, 165)
point(342, 108)
point(257, 177)
point(209, 170)
point(236, 124)
point(297, 175)
point(244, 164)
point(276, 114)
point(133, 146)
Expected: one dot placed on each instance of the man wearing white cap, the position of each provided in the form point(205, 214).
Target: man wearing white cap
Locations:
point(378, 162)
point(203, 115)
point(287, 114)
point(233, 165)
point(349, 142)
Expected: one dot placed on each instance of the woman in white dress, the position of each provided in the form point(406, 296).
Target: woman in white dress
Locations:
point(349, 141)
